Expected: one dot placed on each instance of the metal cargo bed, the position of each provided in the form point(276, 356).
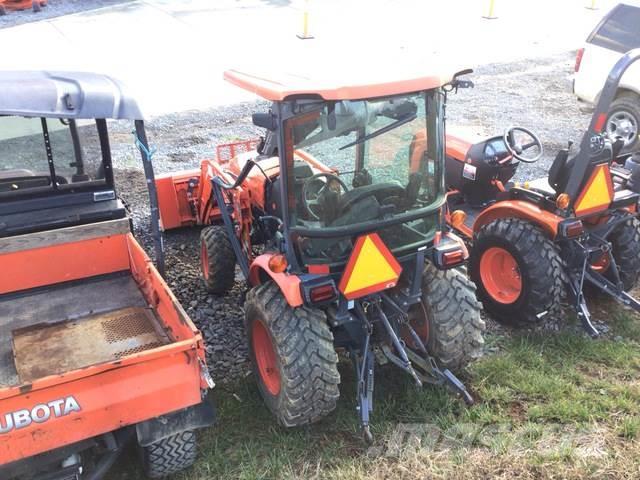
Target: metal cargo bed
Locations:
point(54, 330)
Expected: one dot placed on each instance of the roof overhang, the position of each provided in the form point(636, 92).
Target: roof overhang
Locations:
point(76, 95)
point(287, 86)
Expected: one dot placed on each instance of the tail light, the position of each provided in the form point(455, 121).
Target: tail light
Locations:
point(323, 293)
point(318, 289)
point(449, 251)
point(571, 228)
point(453, 258)
point(579, 59)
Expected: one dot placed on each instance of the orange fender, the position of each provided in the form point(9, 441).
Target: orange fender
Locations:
point(519, 209)
point(289, 284)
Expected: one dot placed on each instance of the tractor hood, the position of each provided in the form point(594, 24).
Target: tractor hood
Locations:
point(69, 95)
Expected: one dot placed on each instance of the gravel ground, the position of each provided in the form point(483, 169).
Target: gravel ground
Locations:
point(538, 96)
point(55, 8)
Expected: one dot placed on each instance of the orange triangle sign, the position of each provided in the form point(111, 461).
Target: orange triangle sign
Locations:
point(371, 268)
point(597, 193)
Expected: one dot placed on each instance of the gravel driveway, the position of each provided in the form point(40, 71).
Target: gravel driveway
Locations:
point(55, 8)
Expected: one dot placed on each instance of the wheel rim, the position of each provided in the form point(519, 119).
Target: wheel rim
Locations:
point(500, 275)
point(623, 124)
point(204, 260)
point(266, 359)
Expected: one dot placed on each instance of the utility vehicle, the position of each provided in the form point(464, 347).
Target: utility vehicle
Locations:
point(534, 244)
point(335, 222)
point(15, 5)
point(94, 348)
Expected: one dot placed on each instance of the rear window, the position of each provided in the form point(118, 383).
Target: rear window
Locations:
point(40, 155)
point(618, 31)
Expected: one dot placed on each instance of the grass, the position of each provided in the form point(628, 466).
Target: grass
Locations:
point(553, 405)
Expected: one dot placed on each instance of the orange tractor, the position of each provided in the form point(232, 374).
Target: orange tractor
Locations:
point(16, 5)
point(95, 351)
point(535, 244)
point(336, 223)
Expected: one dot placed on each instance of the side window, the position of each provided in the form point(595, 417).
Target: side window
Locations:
point(619, 31)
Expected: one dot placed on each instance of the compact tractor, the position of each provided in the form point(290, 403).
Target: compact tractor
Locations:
point(335, 220)
point(534, 244)
point(95, 351)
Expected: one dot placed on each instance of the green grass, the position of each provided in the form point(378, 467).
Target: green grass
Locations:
point(552, 395)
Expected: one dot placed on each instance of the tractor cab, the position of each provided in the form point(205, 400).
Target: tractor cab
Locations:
point(347, 166)
point(335, 221)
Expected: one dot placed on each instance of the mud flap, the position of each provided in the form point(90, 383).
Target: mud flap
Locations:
point(191, 418)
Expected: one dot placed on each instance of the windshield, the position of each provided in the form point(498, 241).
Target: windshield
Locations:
point(48, 155)
point(353, 162)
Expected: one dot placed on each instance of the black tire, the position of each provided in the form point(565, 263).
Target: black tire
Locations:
point(625, 247)
point(36, 6)
point(3, 11)
point(169, 455)
point(448, 318)
point(217, 259)
point(304, 359)
point(539, 267)
point(627, 103)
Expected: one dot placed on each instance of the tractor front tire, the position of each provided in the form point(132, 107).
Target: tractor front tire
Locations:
point(217, 258)
point(293, 357)
point(625, 247)
point(518, 271)
point(448, 318)
point(169, 455)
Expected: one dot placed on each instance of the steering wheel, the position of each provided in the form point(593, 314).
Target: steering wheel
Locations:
point(310, 199)
point(517, 148)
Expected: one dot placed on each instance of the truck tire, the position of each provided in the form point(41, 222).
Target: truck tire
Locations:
point(448, 318)
point(518, 271)
point(217, 259)
point(294, 361)
point(623, 119)
point(625, 247)
point(169, 455)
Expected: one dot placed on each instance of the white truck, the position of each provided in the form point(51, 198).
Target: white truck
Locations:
point(617, 33)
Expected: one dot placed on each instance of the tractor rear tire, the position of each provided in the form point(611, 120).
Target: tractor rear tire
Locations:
point(625, 247)
point(293, 357)
point(448, 318)
point(169, 455)
point(217, 258)
point(518, 271)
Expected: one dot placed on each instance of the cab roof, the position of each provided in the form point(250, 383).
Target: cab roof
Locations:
point(74, 95)
point(284, 86)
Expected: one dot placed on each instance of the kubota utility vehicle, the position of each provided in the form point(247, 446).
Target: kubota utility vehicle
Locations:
point(533, 243)
point(335, 221)
point(94, 348)
point(15, 5)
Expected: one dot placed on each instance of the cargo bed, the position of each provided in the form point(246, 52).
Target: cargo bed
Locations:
point(91, 339)
point(48, 331)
